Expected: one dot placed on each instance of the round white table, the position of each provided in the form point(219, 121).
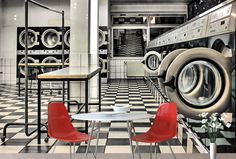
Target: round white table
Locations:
point(98, 117)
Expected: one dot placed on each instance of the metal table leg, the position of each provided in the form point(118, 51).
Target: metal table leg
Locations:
point(39, 111)
point(89, 142)
point(130, 141)
point(99, 91)
point(86, 104)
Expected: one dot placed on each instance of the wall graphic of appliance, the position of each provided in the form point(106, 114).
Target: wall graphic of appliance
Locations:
point(44, 46)
point(151, 62)
point(103, 50)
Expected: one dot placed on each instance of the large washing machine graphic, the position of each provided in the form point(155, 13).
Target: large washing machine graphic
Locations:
point(33, 38)
point(151, 62)
point(199, 80)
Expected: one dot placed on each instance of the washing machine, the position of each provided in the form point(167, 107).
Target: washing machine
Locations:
point(151, 62)
point(33, 38)
point(50, 59)
point(32, 71)
point(164, 66)
point(199, 80)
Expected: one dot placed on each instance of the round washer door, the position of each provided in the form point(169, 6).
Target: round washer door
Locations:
point(198, 80)
point(151, 61)
point(102, 64)
point(164, 66)
point(51, 38)
point(32, 38)
point(49, 59)
point(101, 37)
point(31, 70)
point(67, 38)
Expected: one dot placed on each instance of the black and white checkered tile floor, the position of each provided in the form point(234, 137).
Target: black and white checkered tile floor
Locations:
point(113, 137)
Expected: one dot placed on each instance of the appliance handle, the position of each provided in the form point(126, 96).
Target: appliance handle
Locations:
point(170, 83)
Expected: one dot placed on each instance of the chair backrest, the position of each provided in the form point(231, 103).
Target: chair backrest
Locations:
point(59, 124)
point(165, 121)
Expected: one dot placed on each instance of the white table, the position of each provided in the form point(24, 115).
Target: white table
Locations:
point(98, 117)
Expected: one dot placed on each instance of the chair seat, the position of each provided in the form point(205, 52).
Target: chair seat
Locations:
point(150, 138)
point(73, 137)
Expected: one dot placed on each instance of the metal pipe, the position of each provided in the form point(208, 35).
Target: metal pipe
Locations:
point(63, 54)
point(26, 65)
point(43, 6)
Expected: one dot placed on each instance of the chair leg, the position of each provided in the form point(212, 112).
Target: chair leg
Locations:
point(98, 132)
point(150, 150)
point(155, 150)
point(54, 146)
point(171, 149)
point(70, 151)
point(130, 141)
point(132, 126)
point(74, 150)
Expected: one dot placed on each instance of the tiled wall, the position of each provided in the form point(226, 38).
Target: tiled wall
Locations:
point(118, 67)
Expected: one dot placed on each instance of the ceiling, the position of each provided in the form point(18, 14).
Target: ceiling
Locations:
point(148, 1)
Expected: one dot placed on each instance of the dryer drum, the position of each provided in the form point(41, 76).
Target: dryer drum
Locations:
point(49, 59)
point(67, 38)
point(31, 71)
point(199, 80)
point(151, 61)
point(101, 37)
point(51, 38)
point(32, 38)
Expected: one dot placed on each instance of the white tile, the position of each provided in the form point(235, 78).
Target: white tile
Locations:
point(12, 130)
point(115, 134)
point(61, 149)
point(23, 136)
point(10, 149)
point(117, 149)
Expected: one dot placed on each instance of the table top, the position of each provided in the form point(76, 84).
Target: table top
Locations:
point(111, 116)
point(42, 64)
point(71, 73)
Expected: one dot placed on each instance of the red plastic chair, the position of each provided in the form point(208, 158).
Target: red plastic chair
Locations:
point(60, 126)
point(163, 128)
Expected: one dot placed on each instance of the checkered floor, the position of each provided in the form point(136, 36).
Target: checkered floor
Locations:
point(113, 137)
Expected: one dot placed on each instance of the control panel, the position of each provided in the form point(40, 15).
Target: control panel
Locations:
point(220, 21)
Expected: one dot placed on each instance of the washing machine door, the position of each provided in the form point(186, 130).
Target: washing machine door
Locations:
point(49, 59)
point(67, 38)
point(32, 38)
point(101, 37)
point(164, 66)
point(51, 38)
point(151, 61)
point(31, 70)
point(198, 80)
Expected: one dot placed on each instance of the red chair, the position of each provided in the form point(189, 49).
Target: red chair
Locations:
point(60, 126)
point(163, 128)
